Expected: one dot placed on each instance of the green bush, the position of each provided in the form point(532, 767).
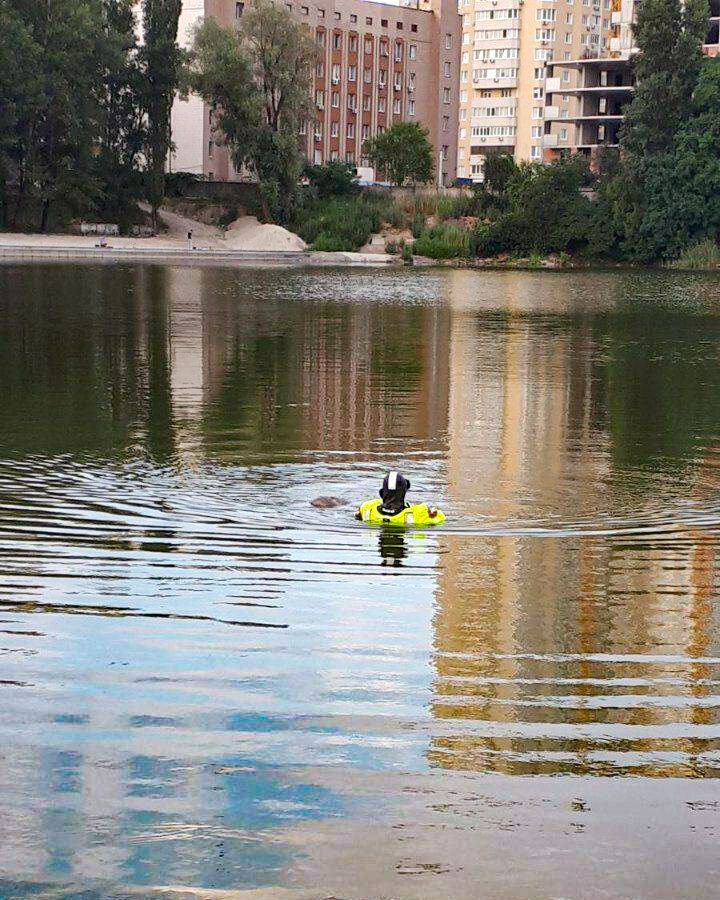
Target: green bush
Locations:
point(445, 241)
point(417, 225)
point(407, 253)
point(341, 224)
point(704, 254)
point(177, 184)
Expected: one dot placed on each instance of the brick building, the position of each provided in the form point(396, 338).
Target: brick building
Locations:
point(377, 64)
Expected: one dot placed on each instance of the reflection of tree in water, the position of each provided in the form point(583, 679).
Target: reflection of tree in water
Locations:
point(393, 547)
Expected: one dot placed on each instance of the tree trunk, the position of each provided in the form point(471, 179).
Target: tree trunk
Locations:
point(45, 218)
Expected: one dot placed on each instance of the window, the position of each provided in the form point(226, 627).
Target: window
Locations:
point(383, 23)
point(319, 70)
point(545, 15)
point(367, 76)
point(368, 46)
point(568, 18)
point(337, 16)
point(465, 58)
point(317, 157)
point(398, 52)
point(463, 76)
point(384, 48)
point(318, 131)
point(351, 130)
point(365, 132)
point(537, 112)
point(536, 131)
point(446, 123)
point(411, 81)
point(462, 134)
point(382, 78)
point(396, 106)
point(563, 134)
point(541, 54)
point(535, 152)
point(566, 75)
point(353, 43)
point(334, 129)
point(568, 37)
point(350, 157)
point(463, 115)
point(304, 10)
point(335, 99)
point(447, 69)
point(538, 93)
point(303, 128)
point(352, 102)
point(336, 74)
point(508, 92)
point(446, 95)
point(539, 73)
point(411, 107)
point(334, 156)
point(544, 34)
point(367, 102)
point(399, 26)
point(320, 99)
point(448, 42)
point(381, 104)
point(210, 149)
point(320, 38)
point(353, 18)
point(337, 41)
point(352, 73)
point(412, 51)
point(413, 27)
point(381, 129)
point(398, 81)
point(368, 20)
point(321, 13)
point(239, 7)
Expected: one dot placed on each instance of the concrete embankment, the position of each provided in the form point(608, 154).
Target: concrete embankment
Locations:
point(49, 249)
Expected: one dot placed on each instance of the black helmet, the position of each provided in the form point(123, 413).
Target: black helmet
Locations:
point(393, 490)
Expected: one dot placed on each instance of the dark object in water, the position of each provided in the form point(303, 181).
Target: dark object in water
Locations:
point(327, 502)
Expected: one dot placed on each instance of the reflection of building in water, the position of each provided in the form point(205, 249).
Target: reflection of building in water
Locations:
point(523, 447)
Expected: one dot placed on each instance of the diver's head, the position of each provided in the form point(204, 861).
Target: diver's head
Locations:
point(393, 490)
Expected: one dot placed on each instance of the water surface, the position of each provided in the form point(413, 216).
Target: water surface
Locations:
point(206, 682)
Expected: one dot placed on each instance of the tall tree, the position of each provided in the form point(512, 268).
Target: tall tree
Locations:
point(119, 149)
point(161, 60)
point(403, 153)
point(258, 85)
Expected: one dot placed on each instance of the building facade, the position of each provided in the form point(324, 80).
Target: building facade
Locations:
point(377, 64)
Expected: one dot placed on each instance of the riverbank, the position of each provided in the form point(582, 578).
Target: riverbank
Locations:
point(60, 247)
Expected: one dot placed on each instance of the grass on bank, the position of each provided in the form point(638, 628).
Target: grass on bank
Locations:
point(704, 254)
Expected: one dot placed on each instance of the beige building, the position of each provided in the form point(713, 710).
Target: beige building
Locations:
point(506, 45)
point(378, 64)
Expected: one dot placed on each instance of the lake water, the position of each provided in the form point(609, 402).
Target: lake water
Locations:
point(208, 684)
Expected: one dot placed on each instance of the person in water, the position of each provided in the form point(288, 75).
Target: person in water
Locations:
point(392, 509)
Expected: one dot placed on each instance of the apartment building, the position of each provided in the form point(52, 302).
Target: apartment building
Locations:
point(378, 64)
point(506, 45)
point(603, 84)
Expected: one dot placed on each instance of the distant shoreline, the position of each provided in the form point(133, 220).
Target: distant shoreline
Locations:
point(67, 248)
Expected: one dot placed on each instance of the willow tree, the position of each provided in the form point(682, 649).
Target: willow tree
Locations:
point(258, 84)
point(161, 60)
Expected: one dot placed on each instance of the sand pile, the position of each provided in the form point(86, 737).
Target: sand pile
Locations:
point(248, 234)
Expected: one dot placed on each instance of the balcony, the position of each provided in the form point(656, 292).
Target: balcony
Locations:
point(549, 140)
point(552, 113)
point(552, 86)
point(481, 144)
point(485, 83)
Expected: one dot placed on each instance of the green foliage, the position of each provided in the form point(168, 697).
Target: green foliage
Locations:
point(258, 86)
point(336, 179)
point(160, 60)
point(445, 241)
point(417, 224)
point(705, 254)
point(177, 184)
point(403, 153)
point(407, 253)
point(498, 170)
point(546, 212)
point(341, 224)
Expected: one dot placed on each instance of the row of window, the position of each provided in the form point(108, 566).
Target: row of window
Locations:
point(335, 74)
point(337, 41)
point(491, 112)
point(305, 10)
point(352, 101)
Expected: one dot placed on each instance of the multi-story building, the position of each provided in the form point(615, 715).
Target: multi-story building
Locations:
point(603, 84)
point(377, 64)
point(506, 45)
